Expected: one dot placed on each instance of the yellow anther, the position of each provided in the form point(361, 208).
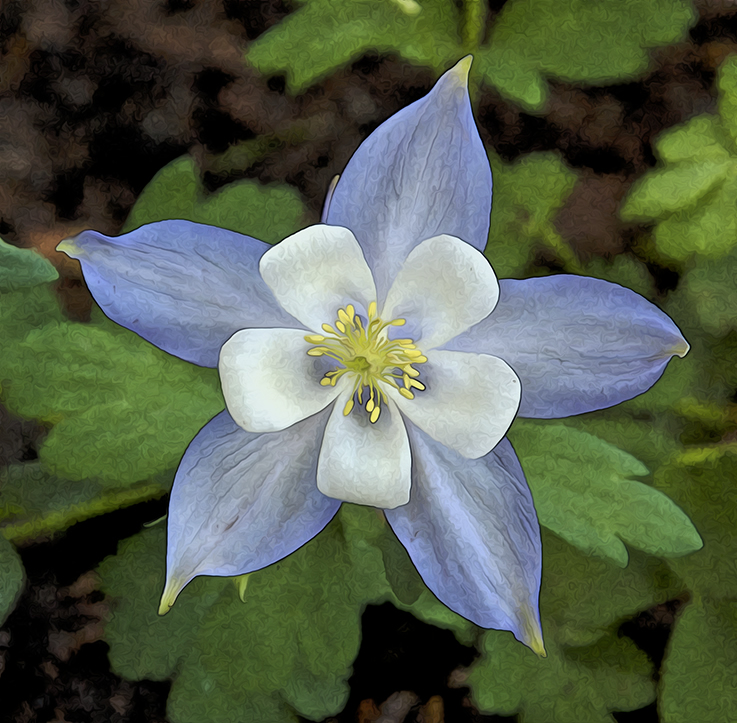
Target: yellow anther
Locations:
point(366, 353)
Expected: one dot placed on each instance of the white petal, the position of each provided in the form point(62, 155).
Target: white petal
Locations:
point(469, 401)
point(315, 272)
point(369, 464)
point(445, 286)
point(269, 382)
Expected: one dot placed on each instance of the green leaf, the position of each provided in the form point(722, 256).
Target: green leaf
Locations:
point(700, 667)
point(583, 492)
point(702, 482)
point(710, 228)
point(423, 33)
point(23, 311)
point(576, 41)
point(34, 503)
point(583, 597)
point(660, 193)
point(624, 270)
point(288, 645)
point(701, 138)
point(711, 289)
point(527, 196)
point(20, 268)
point(269, 213)
point(377, 551)
point(644, 430)
point(728, 97)
point(123, 409)
point(11, 578)
point(693, 195)
point(142, 643)
point(570, 684)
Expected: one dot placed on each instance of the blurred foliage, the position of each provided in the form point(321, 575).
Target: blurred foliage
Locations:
point(527, 196)
point(698, 677)
point(268, 213)
point(593, 42)
point(693, 194)
point(11, 578)
point(35, 503)
point(20, 268)
point(570, 684)
point(423, 33)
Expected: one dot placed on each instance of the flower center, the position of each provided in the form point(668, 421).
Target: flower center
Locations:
point(367, 353)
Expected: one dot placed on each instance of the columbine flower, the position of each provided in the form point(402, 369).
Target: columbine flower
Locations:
point(375, 359)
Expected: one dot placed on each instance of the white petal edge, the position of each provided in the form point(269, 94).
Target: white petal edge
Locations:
point(469, 402)
point(268, 380)
point(445, 287)
point(364, 463)
point(315, 272)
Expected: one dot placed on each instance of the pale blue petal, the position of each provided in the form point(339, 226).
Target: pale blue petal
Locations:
point(242, 501)
point(422, 173)
point(576, 343)
point(471, 530)
point(183, 286)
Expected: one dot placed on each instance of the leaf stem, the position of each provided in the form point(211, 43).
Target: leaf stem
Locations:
point(473, 23)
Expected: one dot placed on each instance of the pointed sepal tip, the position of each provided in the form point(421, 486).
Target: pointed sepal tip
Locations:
point(171, 591)
point(461, 70)
point(69, 247)
point(533, 634)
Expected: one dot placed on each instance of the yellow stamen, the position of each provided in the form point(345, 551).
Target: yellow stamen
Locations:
point(365, 351)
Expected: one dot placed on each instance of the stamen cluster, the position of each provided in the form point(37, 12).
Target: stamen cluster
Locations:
point(368, 354)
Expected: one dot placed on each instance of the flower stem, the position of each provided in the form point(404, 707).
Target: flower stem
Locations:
point(473, 23)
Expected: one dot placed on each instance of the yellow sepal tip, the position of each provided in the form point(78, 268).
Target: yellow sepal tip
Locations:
point(171, 591)
point(461, 70)
point(681, 349)
point(70, 248)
